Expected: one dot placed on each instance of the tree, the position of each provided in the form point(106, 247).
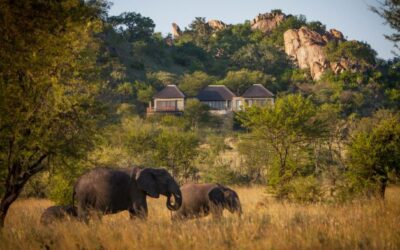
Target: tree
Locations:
point(133, 25)
point(357, 52)
point(390, 11)
point(374, 151)
point(191, 84)
point(160, 79)
point(239, 81)
point(201, 31)
point(290, 124)
point(317, 27)
point(262, 57)
point(177, 150)
point(256, 156)
point(48, 81)
point(196, 113)
point(190, 55)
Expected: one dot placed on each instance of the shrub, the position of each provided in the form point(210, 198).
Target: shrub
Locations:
point(304, 189)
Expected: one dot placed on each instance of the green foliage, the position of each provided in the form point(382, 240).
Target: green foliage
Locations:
point(317, 27)
point(261, 57)
point(216, 168)
point(140, 138)
point(196, 113)
point(133, 26)
point(374, 152)
point(172, 121)
point(357, 52)
point(292, 22)
point(393, 97)
point(276, 11)
point(177, 151)
point(304, 189)
point(61, 190)
point(288, 128)
point(240, 81)
point(59, 79)
point(220, 172)
point(191, 84)
point(160, 79)
point(145, 93)
point(189, 55)
point(390, 11)
point(37, 186)
point(226, 42)
point(200, 31)
point(256, 158)
point(49, 84)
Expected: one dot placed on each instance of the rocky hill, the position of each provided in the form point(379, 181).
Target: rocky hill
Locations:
point(267, 22)
point(306, 47)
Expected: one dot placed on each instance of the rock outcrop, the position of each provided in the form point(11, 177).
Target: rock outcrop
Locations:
point(176, 31)
point(306, 47)
point(267, 22)
point(216, 24)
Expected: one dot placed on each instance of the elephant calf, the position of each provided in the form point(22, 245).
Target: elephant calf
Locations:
point(58, 213)
point(202, 199)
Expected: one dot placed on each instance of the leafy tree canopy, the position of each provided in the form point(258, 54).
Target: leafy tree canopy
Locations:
point(48, 84)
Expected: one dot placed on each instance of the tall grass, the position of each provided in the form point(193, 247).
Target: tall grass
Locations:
point(266, 224)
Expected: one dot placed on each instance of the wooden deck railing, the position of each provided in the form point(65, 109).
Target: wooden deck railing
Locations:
point(162, 109)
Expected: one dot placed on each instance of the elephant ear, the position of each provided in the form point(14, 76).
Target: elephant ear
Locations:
point(147, 182)
point(216, 196)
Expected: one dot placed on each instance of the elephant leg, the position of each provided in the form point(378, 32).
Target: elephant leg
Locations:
point(139, 210)
point(217, 212)
point(83, 214)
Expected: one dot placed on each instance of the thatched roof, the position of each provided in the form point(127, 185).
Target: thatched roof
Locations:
point(215, 93)
point(169, 92)
point(257, 91)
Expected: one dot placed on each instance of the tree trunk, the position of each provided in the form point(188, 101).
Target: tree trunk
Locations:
point(15, 182)
point(382, 189)
point(5, 204)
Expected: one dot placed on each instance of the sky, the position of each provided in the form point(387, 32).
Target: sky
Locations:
point(352, 17)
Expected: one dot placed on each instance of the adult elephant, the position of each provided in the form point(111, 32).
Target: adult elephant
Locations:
point(202, 199)
point(108, 191)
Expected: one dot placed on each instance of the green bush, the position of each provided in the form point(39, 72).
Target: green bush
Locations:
point(37, 187)
point(304, 189)
point(221, 172)
point(61, 190)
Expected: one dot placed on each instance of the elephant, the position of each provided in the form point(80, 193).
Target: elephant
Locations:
point(199, 200)
point(58, 213)
point(108, 191)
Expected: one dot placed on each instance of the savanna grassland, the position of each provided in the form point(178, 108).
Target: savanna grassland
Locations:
point(75, 85)
point(265, 224)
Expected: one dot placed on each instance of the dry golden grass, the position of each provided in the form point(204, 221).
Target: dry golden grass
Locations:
point(266, 224)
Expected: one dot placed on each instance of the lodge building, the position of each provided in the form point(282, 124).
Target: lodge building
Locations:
point(219, 98)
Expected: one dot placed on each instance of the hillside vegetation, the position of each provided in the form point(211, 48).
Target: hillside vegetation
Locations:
point(74, 86)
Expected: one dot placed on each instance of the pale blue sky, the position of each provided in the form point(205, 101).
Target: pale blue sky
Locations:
point(352, 17)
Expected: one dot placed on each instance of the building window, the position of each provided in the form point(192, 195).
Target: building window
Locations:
point(216, 105)
point(257, 102)
point(166, 105)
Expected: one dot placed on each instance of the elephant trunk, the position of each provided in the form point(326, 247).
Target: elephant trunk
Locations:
point(177, 201)
point(240, 211)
